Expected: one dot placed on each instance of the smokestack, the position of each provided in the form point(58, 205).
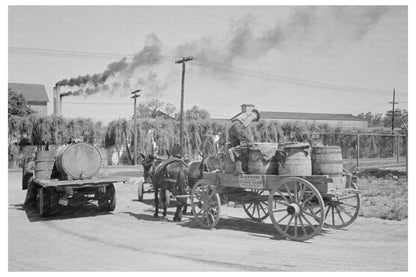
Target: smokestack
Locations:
point(56, 100)
point(60, 105)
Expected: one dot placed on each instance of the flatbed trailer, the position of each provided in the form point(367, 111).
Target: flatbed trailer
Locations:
point(50, 193)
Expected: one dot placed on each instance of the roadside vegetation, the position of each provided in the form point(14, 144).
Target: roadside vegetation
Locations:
point(385, 198)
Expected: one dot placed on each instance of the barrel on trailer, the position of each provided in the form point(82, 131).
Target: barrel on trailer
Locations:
point(262, 158)
point(43, 164)
point(327, 160)
point(298, 160)
point(78, 161)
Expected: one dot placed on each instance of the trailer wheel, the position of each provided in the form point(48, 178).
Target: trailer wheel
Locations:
point(43, 202)
point(53, 201)
point(111, 197)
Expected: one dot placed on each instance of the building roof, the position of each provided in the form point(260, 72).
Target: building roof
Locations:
point(308, 116)
point(31, 92)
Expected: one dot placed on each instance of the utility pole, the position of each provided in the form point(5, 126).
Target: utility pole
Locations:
point(135, 96)
point(182, 61)
point(393, 111)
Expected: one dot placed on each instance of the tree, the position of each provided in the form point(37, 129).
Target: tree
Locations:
point(18, 105)
point(196, 113)
point(148, 109)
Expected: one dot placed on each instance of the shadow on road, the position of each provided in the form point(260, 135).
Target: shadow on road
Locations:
point(150, 217)
point(89, 210)
point(256, 229)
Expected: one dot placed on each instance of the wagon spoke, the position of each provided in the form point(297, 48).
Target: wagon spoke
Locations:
point(248, 207)
point(283, 196)
point(282, 203)
point(288, 224)
point(310, 224)
point(282, 218)
point(261, 206)
point(258, 210)
point(288, 191)
point(340, 216)
point(333, 215)
point(303, 226)
point(311, 215)
point(307, 200)
point(302, 188)
point(345, 211)
point(296, 226)
point(346, 197)
point(295, 193)
point(280, 210)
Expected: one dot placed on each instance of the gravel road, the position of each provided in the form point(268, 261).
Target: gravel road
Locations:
point(130, 239)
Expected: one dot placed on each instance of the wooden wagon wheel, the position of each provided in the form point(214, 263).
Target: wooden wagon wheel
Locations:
point(342, 210)
point(257, 209)
point(290, 204)
point(206, 204)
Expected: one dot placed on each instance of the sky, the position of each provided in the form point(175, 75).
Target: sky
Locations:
point(323, 59)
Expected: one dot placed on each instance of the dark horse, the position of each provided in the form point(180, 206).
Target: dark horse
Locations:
point(166, 175)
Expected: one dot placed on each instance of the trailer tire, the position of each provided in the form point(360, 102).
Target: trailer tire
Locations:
point(111, 197)
point(43, 202)
point(53, 201)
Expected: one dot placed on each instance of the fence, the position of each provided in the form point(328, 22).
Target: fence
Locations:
point(367, 149)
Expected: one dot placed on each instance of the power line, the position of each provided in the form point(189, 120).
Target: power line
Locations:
point(68, 53)
point(287, 79)
point(223, 66)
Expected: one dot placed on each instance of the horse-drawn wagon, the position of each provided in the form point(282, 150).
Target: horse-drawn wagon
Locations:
point(298, 206)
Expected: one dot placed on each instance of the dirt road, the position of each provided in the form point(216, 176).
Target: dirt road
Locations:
point(130, 239)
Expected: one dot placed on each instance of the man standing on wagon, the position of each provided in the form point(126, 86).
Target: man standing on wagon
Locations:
point(240, 136)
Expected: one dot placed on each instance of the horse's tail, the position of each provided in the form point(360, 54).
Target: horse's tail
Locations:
point(167, 196)
point(181, 185)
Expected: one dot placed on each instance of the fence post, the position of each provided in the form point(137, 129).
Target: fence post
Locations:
point(358, 150)
point(398, 148)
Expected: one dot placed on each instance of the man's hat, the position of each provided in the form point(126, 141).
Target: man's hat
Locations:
point(258, 114)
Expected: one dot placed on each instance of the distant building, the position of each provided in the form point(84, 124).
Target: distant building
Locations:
point(158, 113)
point(345, 121)
point(34, 94)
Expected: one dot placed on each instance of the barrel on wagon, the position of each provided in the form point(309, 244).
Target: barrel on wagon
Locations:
point(298, 160)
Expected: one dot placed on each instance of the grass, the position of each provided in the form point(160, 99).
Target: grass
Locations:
point(385, 198)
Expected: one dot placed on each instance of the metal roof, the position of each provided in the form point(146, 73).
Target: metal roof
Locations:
point(31, 92)
point(308, 116)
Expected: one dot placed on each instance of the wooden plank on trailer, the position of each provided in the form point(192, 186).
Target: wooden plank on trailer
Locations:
point(93, 181)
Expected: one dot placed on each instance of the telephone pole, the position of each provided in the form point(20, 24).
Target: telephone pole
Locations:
point(393, 111)
point(182, 61)
point(135, 96)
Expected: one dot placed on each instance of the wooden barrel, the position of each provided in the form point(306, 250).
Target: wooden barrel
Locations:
point(256, 162)
point(78, 161)
point(327, 160)
point(43, 164)
point(298, 161)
